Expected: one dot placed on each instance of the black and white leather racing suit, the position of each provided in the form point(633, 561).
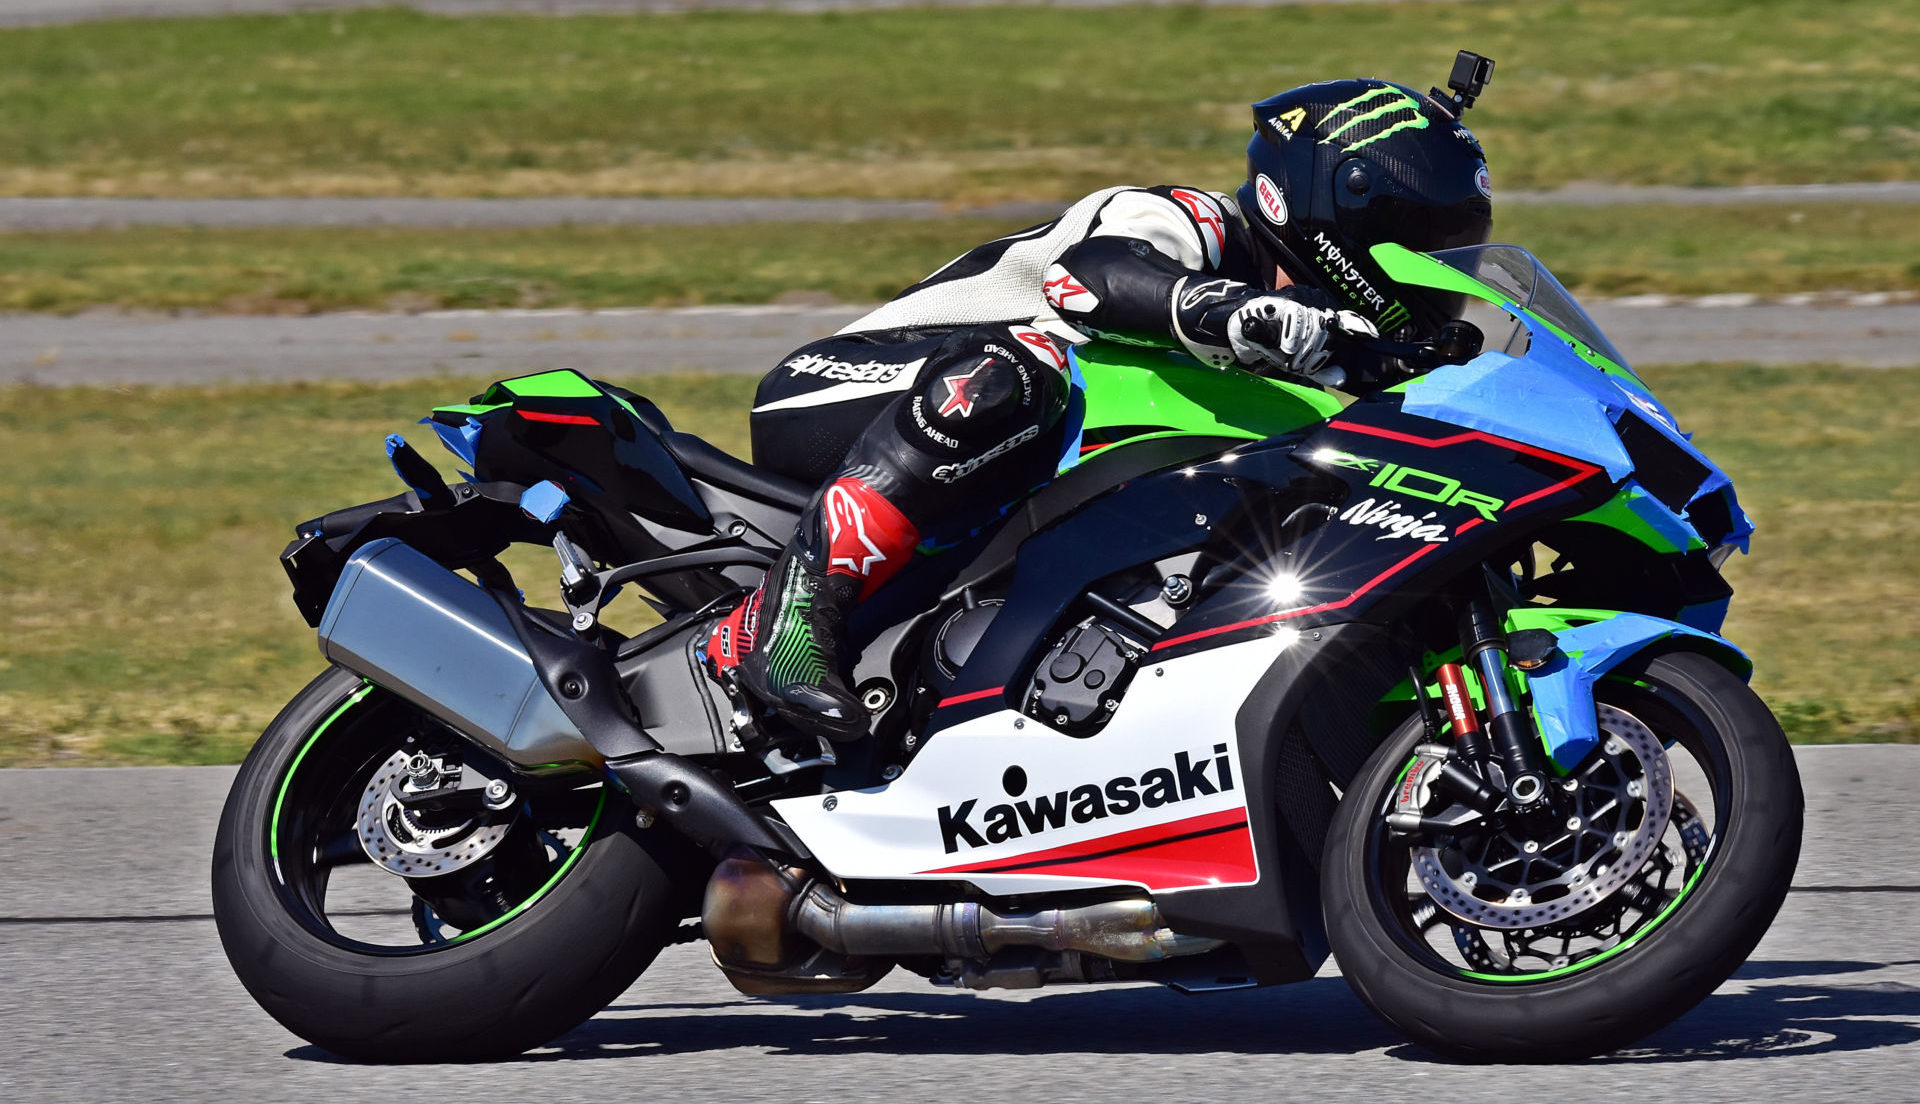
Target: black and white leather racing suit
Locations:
point(1141, 265)
point(931, 412)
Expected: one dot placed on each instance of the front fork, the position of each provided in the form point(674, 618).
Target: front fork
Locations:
point(1510, 730)
point(1501, 736)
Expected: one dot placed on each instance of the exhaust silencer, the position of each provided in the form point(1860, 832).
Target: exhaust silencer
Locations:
point(411, 626)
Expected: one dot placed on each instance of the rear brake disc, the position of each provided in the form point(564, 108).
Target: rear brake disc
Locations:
point(398, 839)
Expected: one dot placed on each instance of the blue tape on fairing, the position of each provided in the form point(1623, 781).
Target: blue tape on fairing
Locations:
point(1706, 616)
point(1076, 417)
point(1660, 519)
point(1742, 531)
point(1563, 688)
point(1536, 400)
point(1554, 399)
point(460, 440)
point(395, 443)
point(543, 501)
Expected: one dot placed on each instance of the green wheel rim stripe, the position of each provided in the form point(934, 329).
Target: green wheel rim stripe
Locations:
point(273, 830)
point(573, 857)
point(1562, 971)
point(1549, 975)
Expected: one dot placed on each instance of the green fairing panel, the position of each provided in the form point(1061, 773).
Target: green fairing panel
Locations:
point(562, 383)
point(1408, 267)
point(470, 410)
point(1135, 386)
point(1628, 512)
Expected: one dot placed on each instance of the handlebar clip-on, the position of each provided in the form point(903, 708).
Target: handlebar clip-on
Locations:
point(1459, 342)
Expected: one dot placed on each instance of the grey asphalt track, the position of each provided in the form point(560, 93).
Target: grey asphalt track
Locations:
point(113, 348)
point(117, 990)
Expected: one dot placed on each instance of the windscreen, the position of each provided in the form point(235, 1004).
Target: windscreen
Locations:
point(1515, 273)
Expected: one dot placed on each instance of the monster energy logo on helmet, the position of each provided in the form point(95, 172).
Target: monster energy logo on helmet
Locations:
point(1390, 105)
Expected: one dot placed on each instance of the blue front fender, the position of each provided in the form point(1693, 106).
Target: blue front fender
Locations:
point(1592, 643)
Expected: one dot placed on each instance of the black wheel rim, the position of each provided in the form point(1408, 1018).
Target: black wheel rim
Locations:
point(1452, 947)
point(327, 883)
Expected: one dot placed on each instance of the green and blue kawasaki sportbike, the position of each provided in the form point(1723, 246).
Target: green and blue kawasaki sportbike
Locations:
point(1430, 682)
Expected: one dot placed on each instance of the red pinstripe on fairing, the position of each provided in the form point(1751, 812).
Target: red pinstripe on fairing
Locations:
point(1211, 849)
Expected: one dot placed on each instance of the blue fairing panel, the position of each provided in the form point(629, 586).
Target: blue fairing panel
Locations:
point(1563, 688)
point(1076, 415)
point(1554, 399)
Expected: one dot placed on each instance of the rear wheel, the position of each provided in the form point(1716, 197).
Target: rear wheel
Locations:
point(471, 932)
point(1668, 852)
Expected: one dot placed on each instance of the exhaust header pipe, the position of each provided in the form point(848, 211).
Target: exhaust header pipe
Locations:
point(775, 929)
point(401, 620)
point(1124, 931)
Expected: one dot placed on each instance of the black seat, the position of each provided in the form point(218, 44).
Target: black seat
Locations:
point(725, 470)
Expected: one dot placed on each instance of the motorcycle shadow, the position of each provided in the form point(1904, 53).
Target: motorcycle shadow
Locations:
point(1793, 1018)
point(1313, 1017)
point(1780, 1013)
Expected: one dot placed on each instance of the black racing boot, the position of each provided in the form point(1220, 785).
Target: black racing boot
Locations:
point(850, 540)
point(795, 663)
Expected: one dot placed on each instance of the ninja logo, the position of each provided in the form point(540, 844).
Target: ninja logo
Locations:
point(1183, 780)
point(1387, 517)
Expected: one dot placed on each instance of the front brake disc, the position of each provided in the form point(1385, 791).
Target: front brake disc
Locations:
point(1622, 795)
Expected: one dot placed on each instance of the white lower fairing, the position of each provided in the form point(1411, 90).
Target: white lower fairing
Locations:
point(1155, 799)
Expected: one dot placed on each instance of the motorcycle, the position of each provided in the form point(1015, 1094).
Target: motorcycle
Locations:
point(1430, 682)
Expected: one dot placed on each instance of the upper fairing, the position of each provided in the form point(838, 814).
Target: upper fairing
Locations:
point(1561, 394)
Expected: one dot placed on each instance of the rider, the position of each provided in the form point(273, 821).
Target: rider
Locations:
point(938, 408)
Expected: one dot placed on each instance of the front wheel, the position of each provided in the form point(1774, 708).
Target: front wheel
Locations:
point(1669, 850)
point(384, 932)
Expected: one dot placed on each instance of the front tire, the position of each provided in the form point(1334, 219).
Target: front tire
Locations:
point(544, 960)
point(1685, 940)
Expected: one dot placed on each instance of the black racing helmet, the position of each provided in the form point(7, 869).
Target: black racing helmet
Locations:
point(1337, 167)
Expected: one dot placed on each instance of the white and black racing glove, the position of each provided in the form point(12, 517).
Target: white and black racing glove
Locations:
point(1227, 323)
point(1285, 333)
point(1124, 290)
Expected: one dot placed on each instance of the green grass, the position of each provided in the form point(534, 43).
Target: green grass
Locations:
point(1702, 250)
point(1828, 604)
point(1603, 251)
point(145, 619)
point(252, 271)
point(969, 103)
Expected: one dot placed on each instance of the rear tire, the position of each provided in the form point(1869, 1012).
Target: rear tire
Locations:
point(1675, 962)
point(537, 974)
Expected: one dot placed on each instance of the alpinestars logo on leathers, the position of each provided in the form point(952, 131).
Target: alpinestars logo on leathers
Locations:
point(1185, 778)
